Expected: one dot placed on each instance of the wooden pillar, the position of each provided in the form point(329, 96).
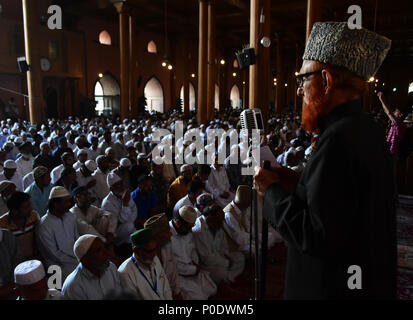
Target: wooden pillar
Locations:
point(186, 80)
point(122, 9)
point(313, 15)
point(280, 89)
point(133, 73)
point(253, 83)
point(264, 63)
point(32, 51)
point(211, 61)
point(202, 61)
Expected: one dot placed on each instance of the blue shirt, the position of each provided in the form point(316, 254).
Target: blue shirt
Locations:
point(144, 206)
point(38, 198)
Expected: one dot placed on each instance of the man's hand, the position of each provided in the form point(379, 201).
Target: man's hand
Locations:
point(263, 179)
point(126, 197)
point(286, 177)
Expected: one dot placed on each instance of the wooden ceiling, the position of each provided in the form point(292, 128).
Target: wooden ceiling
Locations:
point(393, 19)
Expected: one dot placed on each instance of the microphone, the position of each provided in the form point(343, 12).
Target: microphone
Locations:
point(252, 119)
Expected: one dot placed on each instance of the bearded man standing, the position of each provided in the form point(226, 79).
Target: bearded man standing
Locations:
point(339, 217)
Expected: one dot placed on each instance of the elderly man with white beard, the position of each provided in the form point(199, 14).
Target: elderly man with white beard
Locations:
point(95, 276)
point(142, 273)
point(197, 282)
point(120, 203)
point(159, 225)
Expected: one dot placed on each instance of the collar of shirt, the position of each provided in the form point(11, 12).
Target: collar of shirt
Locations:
point(346, 109)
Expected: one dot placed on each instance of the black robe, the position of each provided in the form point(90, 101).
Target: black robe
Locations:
point(341, 214)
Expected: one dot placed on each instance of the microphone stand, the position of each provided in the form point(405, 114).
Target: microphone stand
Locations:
point(264, 246)
point(254, 221)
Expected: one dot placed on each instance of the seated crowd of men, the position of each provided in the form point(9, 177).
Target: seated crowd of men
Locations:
point(94, 203)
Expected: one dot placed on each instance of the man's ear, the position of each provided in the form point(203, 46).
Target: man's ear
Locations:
point(327, 80)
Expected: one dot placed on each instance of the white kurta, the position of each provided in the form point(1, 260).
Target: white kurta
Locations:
point(198, 286)
point(82, 180)
point(216, 258)
point(93, 154)
point(169, 266)
point(125, 217)
point(154, 287)
point(24, 166)
point(218, 183)
point(185, 201)
point(239, 232)
point(56, 172)
point(28, 179)
point(81, 284)
point(96, 221)
point(101, 188)
point(55, 239)
point(16, 179)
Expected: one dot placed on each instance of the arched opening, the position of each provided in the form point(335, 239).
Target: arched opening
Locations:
point(154, 95)
point(107, 96)
point(234, 97)
point(410, 88)
point(191, 97)
point(152, 47)
point(216, 97)
point(105, 38)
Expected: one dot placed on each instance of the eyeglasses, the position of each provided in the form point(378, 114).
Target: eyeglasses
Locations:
point(301, 78)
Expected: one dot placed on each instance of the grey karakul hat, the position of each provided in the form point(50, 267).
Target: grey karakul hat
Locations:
point(358, 50)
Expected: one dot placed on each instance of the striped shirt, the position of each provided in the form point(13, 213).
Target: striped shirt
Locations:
point(395, 136)
point(24, 236)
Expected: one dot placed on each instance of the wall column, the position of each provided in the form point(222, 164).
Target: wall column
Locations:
point(34, 75)
point(122, 9)
point(211, 61)
point(133, 73)
point(254, 27)
point(313, 15)
point(202, 61)
point(264, 63)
